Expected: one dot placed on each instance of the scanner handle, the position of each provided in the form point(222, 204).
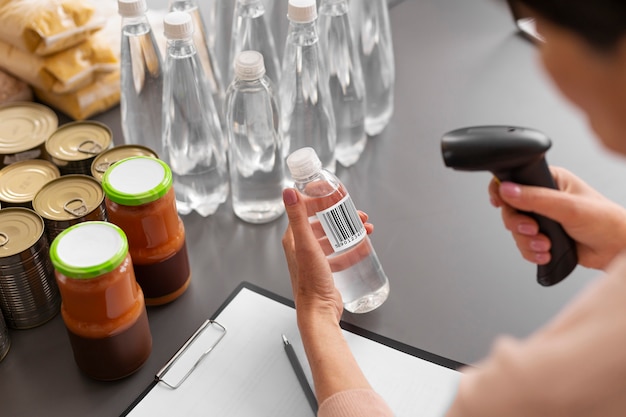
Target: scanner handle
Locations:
point(563, 253)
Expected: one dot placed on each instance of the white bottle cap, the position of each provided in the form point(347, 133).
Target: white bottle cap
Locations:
point(304, 163)
point(302, 11)
point(177, 25)
point(249, 66)
point(131, 8)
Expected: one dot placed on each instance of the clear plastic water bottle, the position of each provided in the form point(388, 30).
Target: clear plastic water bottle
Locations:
point(255, 146)
point(192, 137)
point(251, 32)
point(219, 18)
point(275, 12)
point(207, 54)
point(372, 32)
point(307, 117)
point(141, 78)
point(357, 272)
point(345, 80)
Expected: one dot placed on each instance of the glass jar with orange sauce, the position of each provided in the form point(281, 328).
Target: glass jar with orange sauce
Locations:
point(140, 199)
point(101, 303)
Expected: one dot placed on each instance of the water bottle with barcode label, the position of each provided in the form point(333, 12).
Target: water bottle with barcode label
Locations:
point(357, 272)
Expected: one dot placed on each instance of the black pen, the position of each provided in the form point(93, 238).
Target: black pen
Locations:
point(297, 368)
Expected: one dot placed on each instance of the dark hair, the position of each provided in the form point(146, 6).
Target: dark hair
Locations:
point(601, 22)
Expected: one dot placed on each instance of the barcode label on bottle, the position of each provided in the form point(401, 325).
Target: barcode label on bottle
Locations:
point(342, 224)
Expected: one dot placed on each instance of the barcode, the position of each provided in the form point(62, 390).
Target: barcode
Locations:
point(342, 224)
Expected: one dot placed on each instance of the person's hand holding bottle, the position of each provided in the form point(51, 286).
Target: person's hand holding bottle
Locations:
point(318, 304)
point(306, 248)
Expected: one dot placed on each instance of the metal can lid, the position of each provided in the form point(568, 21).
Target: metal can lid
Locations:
point(77, 141)
point(20, 229)
point(68, 197)
point(24, 126)
point(117, 153)
point(137, 180)
point(88, 249)
point(19, 182)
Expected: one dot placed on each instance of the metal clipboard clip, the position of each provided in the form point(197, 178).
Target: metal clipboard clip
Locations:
point(169, 366)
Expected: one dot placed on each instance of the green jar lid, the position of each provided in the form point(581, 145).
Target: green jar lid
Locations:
point(89, 249)
point(137, 180)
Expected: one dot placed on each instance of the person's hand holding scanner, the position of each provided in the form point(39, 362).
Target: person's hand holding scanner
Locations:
point(597, 224)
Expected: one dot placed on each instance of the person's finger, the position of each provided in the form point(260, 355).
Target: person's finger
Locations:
point(494, 192)
point(554, 204)
point(369, 227)
point(311, 276)
point(289, 250)
point(304, 237)
point(350, 257)
point(534, 249)
point(517, 222)
point(306, 247)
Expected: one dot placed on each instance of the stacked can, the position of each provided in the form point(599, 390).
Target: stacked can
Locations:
point(20, 182)
point(5, 341)
point(24, 129)
point(29, 295)
point(107, 158)
point(69, 200)
point(140, 199)
point(73, 146)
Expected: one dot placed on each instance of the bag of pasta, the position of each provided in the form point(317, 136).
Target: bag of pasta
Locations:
point(42, 27)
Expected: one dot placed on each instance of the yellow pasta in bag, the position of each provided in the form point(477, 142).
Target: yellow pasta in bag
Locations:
point(43, 27)
point(99, 96)
point(63, 72)
point(72, 68)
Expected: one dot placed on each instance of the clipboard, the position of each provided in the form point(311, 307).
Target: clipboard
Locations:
point(234, 365)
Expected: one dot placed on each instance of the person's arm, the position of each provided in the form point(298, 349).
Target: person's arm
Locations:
point(597, 224)
point(336, 374)
point(575, 366)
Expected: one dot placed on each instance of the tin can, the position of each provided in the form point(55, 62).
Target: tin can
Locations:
point(24, 129)
point(69, 200)
point(19, 182)
point(5, 341)
point(140, 199)
point(73, 146)
point(117, 153)
point(102, 305)
point(29, 295)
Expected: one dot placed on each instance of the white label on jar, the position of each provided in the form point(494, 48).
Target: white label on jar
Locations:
point(90, 244)
point(342, 224)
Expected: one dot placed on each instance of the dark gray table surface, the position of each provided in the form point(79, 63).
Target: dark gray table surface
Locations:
point(457, 279)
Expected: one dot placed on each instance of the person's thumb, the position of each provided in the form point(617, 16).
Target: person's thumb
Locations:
point(548, 202)
point(298, 218)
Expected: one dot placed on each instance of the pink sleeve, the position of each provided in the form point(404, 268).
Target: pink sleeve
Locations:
point(355, 403)
point(575, 366)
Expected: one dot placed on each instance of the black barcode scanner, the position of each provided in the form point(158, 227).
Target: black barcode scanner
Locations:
point(514, 154)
